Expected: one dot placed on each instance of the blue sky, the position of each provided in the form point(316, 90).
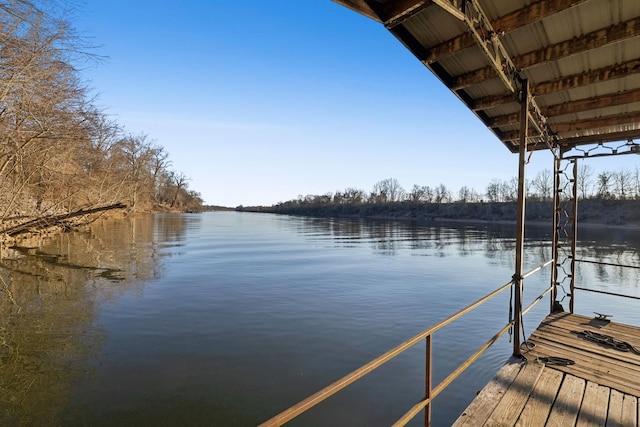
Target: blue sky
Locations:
point(261, 101)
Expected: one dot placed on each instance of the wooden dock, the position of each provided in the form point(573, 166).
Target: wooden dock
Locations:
point(573, 374)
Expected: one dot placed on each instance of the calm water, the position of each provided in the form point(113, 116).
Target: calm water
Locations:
point(228, 318)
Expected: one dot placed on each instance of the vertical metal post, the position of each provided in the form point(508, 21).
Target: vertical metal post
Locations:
point(555, 236)
point(427, 409)
point(574, 234)
point(517, 277)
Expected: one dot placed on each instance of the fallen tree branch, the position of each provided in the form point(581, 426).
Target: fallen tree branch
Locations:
point(55, 220)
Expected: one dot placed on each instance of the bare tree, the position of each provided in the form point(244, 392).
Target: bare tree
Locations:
point(468, 195)
point(353, 195)
point(636, 183)
point(604, 185)
point(442, 194)
point(511, 190)
point(543, 184)
point(135, 154)
point(418, 194)
point(622, 183)
point(493, 191)
point(43, 101)
point(585, 180)
point(58, 152)
point(159, 163)
point(387, 190)
point(180, 182)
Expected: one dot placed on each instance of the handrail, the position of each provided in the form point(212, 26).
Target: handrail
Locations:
point(409, 415)
point(537, 300)
point(607, 293)
point(304, 405)
point(613, 264)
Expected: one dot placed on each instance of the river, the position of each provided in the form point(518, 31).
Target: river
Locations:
point(226, 318)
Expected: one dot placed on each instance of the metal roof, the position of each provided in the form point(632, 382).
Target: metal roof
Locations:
point(580, 59)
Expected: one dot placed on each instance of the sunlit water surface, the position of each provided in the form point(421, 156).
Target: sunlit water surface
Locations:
point(229, 318)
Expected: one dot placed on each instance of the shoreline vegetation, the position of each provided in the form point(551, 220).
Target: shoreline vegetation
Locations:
point(64, 161)
point(591, 212)
point(606, 199)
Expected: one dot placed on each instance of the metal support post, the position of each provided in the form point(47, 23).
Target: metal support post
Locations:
point(517, 277)
point(428, 377)
point(574, 233)
point(555, 234)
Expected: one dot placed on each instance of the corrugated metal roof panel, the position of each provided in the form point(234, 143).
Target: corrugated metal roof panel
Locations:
point(570, 55)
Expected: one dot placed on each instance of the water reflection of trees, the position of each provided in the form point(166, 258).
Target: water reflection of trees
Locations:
point(493, 241)
point(611, 258)
point(48, 299)
point(387, 237)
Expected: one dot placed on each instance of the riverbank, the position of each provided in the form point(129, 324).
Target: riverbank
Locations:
point(591, 212)
point(30, 232)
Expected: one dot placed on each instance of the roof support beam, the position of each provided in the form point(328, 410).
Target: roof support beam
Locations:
point(574, 107)
point(566, 83)
point(514, 20)
point(598, 122)
point(594, 103)
point(395, 13)
point(454, 7)
point(595, 139)
point(582, 125)
point(594, 40)
point(606, 36)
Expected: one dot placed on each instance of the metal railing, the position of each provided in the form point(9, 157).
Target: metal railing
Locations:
point(610, 264)
point(430, 392)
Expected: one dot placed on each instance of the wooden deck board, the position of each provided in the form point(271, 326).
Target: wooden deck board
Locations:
point(593, 361)
point(539, 405)
point(611, 356)
point(486, 401)
point(629, 410)
point(572, 338)
point(566, 407)
point(602, 387)
point(511, 405)
point(593, 412)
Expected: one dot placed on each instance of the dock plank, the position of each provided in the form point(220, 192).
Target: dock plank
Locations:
point(541, 400)
point(601, 388)
point(565, 410)
point(629, 410)
point(595, 403)
point(576, 320)
point(615, 361)
point(573, 332)
point(597, 368)
point(511, 405)
point(570, 324)
point(485, 402)
point(614, 417)
point(594, 362)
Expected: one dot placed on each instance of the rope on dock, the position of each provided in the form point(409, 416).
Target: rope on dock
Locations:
point(607, 340)
point(558, 361)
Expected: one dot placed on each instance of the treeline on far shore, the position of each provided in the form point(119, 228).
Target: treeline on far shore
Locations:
point(591, 211)
point(608, 205)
